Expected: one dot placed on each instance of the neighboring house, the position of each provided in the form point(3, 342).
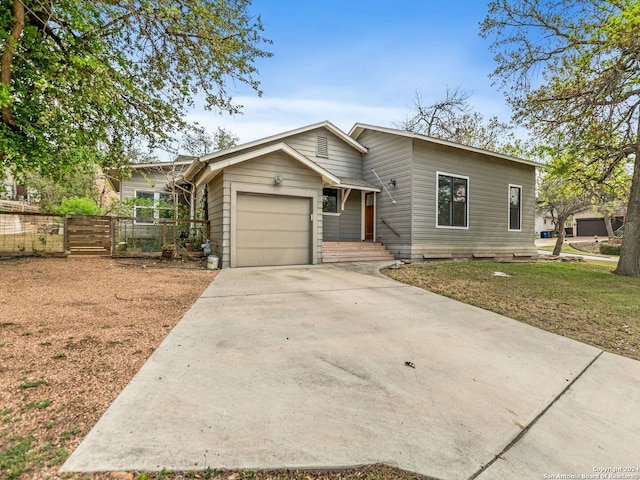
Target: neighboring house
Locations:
point(544, 223)
point(281, 200)
point(10, 189)
point(7, 186)
point(154, 186)
point(590, 222)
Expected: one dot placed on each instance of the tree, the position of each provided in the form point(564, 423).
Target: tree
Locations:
point(557, 190)
point(50, 193)
point(572, 66)
point(611, 195)
point(435, 120)
point(452, 119)
point(557, 197)
point(200, 142)
point(82, 81)
point(608, 190)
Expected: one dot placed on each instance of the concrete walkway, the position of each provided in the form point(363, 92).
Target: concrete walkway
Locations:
point(306, 367)
point(552, 241)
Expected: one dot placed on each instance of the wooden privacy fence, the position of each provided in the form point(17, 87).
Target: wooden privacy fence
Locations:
point(35, 233)
point(86, 235)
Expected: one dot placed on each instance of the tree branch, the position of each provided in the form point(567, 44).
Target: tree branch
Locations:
point(6, 61)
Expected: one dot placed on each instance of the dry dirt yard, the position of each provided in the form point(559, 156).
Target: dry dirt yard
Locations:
point(73, 332)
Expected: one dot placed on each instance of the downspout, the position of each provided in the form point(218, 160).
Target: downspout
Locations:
point(192, 203)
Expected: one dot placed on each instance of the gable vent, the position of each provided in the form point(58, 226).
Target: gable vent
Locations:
point(322, 147)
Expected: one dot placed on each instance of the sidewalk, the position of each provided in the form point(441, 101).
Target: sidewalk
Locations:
point(543, 242)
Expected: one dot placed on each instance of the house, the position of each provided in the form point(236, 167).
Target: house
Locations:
point(590, 222)
point(287, 198)
point(154, 186)
point(545, 224)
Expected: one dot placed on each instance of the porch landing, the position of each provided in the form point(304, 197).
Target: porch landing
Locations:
point(334, 252)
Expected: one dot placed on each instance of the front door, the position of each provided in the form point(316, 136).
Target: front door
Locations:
point(369, 201)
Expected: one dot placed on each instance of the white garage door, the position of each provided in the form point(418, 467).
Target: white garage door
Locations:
point(272, 230)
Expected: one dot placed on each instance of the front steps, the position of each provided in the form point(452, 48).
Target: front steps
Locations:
point(335, 252)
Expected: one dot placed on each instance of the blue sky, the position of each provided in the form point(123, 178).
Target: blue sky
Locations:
point(351, 61)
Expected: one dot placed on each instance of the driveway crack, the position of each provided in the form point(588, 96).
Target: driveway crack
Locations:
point(535, 420)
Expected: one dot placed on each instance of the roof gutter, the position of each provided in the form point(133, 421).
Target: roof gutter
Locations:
point(193, 169)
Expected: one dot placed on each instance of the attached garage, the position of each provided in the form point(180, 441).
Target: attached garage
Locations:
point(272, 230)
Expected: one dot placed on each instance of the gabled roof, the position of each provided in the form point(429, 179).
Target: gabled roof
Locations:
point(114, 175)
point(180, 161)
point(359, 128)
point(212, 169)
point(239, 148)
point(326, 124)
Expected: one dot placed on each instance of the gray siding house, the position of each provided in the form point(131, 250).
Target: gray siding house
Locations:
point(300, 196)
point(151, 183)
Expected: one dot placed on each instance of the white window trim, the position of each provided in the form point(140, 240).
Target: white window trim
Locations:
point(338, 197)
point(509, 208)
point(156, 210)
point(451, 227)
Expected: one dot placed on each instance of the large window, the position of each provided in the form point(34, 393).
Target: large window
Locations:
point(153, 205)
point(329, 200)
point(515, 207)
point(453, 196)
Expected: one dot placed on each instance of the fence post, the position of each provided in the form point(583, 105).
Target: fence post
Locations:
point(65, 241)
point(113, 221)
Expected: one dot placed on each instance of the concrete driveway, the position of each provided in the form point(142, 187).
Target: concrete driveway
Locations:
point(306, 367)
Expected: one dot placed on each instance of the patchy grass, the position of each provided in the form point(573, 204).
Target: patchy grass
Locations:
point(38, 404)
point(584, 301)
point(23, 457)
point(56, 381)
point(33, 384)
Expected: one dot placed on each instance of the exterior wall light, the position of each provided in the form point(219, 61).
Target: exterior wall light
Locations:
point(277, 179)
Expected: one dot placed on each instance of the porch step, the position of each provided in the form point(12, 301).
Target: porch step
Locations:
point(334, 252)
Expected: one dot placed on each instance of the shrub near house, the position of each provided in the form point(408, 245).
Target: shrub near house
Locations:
point(77, 206)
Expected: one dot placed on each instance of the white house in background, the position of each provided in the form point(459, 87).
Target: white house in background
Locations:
point(543, 223)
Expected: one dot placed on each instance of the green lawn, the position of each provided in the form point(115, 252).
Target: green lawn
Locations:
point(584, 301)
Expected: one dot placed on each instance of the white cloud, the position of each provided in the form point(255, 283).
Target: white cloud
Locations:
point(267, 116)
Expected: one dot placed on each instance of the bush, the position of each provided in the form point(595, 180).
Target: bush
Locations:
point(607, 249)
point(77, 206)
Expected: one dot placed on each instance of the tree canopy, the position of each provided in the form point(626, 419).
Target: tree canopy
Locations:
point(200, 142)
point(571, 68)
point(452, 118)
point(81, 81)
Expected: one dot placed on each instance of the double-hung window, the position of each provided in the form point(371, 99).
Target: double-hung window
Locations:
point(153, 205)
point(453, 200)
point(515, 207)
